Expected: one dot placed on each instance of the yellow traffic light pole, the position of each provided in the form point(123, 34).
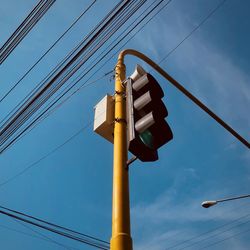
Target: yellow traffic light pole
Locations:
point(121, 238)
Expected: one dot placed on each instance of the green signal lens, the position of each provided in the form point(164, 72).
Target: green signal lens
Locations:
point(147, 138)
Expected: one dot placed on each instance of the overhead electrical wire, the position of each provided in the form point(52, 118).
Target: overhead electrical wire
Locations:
point(204, 20)
point(80, 77)
point(212, 230)
point(52, 110)
point(59, 65)
point(63, 231)
point(57, 147)
point(23, 171)
point(51, 224)
point(38, 99)
point(83, 85)
point(19, 231)
point(41, 236)
point(21, 104)
point(29, 22)
point(131, 37)
point(212, 236)
point(97, 62)
point(38, 236)
point(45, 237)
point(48, 50)
point(227, 238)
point(211, 13)
point(78, 132)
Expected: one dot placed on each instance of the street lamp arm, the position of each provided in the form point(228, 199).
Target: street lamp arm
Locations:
point(182, 89)
point(234, 198)
point(207, 204)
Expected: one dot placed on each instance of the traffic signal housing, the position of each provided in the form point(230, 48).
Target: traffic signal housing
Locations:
point(146, 112)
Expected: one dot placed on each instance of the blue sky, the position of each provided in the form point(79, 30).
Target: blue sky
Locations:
point(73, 186)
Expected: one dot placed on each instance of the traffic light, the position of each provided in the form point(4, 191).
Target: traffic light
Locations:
point(147, 128)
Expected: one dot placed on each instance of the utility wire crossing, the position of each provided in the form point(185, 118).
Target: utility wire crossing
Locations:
point(18, 123)
point(54, 228)
point(47, 51)
point(29, 22)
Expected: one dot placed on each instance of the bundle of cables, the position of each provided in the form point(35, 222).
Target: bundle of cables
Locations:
point(54, 228)
point(29, 22)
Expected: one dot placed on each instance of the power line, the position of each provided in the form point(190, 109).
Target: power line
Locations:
point(21, 232)
point(80, 77)
point(216, 234)
point(109, 50)
point(23, 29)
point(60, 145)
point(211, 13)
point(45, 237)
point(59, 65)
point(215, 219)
point(116, 44)
point(45, 156)
point(38, 99)
point(213, 229)
point(129, 32)
point(41, 118)
point(83, 85)
point(52, 224)
point(68, 233)
point(42, 236)
point(48, 50)
point(227, 238)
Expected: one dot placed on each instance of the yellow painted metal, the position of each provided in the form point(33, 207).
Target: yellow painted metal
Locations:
point(121, 239)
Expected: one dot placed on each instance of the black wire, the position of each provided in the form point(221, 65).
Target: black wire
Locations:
point(56, 148)
point(65, 92)
point(41, 11)
point(21, 232)
point(21, 25)
point(186, 37)
point(67, 235)
point(50, 111)
point(25, 30)
point(211, 236)
point(89, 70)
point(88, 56)
point(44, 157)
point(52, 224)
point(48, 50)
point(213, 11)
point(24, 114)
point(43, 237)
point(72, 52)
point(22, 103)
point(193, 30)
point(102, 58)
point(227, 238)
point(62, 62)
point(74, 69)
point(107, 17)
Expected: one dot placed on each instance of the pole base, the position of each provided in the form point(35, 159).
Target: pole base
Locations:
point(121, 242)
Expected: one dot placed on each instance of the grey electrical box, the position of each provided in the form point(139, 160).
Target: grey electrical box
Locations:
point(104, 118)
